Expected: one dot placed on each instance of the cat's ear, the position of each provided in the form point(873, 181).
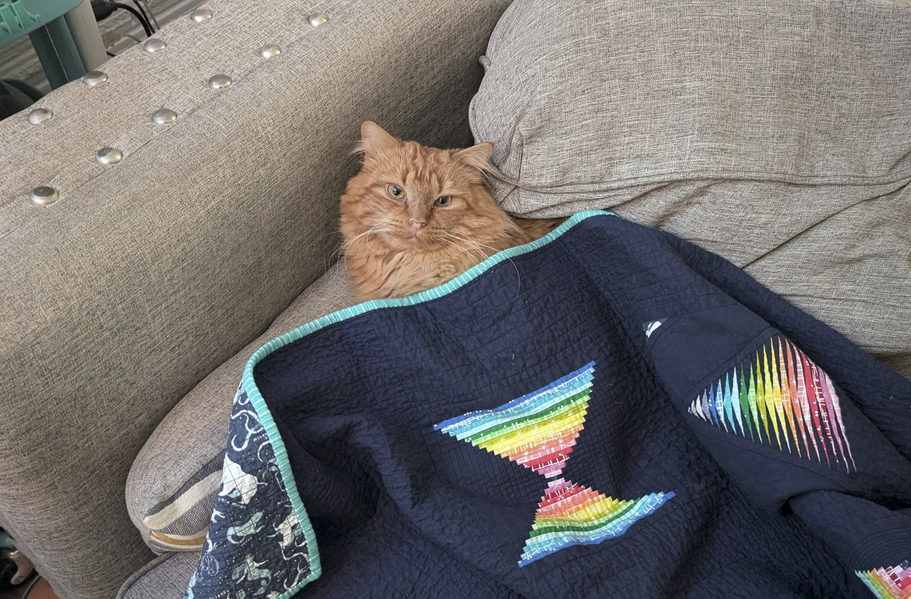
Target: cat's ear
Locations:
point(476, 156)
point(374, 139)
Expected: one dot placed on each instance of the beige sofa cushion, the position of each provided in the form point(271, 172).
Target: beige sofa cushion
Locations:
point(604, 101)
point(166, 577)
point(776, 134)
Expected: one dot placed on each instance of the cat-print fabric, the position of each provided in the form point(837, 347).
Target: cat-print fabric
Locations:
point(257, 543)
point(606, 412)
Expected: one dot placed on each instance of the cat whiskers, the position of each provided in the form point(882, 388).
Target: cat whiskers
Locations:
point(374, 229)
point(458, 246)
point(479, 245)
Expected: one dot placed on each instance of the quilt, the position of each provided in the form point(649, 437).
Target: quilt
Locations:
point(607, 412)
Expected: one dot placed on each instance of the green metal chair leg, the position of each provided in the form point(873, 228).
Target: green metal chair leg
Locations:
point(44, 48)
point(66, 48)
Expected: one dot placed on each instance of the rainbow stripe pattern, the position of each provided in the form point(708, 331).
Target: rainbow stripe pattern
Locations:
point(572, 515)
point(893, 582)
point(539, 431)
point(780, 397)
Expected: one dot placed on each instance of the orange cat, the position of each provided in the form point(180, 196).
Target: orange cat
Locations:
point(415, 217)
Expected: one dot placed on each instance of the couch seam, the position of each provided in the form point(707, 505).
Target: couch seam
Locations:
point(138, 574)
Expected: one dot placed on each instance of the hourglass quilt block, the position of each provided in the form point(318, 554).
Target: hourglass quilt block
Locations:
point(539, 431)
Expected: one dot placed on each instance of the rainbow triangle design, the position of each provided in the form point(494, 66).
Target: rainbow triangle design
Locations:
point(539, 431)
point(780, 387)
point(893, 582)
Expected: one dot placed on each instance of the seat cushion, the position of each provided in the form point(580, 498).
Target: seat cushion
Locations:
point(172, 484)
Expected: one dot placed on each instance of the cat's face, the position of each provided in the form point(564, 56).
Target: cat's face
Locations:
point(408, 196)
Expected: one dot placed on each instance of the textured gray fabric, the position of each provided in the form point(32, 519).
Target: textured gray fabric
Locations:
point(584, 98)
point(853, 270)
point(166, 577)
point(146, 275)
point(194, 432)
point(748, 128)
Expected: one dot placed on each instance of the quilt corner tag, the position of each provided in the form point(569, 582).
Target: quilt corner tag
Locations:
point(539, 431)
point(891, 582)
point(779, 397)
point(259, 544)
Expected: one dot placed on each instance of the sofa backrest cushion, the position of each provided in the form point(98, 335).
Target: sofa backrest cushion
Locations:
point(585, 99)
point(777, 134)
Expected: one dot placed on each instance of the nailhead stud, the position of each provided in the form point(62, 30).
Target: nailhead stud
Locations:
point(93, 78)
point(39, 115)
point(201, 14)
point(270, 51)
point(108, 156)
point(219, 81)
point(164, 116)
point(153, 44)
point(43, 196)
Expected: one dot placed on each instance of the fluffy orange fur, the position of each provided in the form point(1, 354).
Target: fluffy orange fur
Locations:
point(415, 217)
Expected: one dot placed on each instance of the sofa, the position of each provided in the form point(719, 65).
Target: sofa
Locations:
point(171, 212)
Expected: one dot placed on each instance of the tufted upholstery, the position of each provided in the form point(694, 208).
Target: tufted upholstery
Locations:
point(142, 275)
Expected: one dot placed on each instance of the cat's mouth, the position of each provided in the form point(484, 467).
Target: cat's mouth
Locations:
point(418, 238)
point(421, 238)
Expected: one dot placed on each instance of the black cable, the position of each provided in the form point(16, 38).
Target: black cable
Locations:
point(138, 16)
point(145, 15)
point(154, 20)
point(102, 9)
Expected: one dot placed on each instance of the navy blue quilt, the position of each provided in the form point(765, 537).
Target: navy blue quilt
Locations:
point(607, 412)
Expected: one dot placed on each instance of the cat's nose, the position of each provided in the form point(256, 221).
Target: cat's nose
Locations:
point(417, 225)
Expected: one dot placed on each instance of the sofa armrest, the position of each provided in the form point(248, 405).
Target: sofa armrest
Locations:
point(175, 478)
point(144, 275)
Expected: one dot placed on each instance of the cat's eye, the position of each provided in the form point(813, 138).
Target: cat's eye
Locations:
point(395, 192)
point(442, 201)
